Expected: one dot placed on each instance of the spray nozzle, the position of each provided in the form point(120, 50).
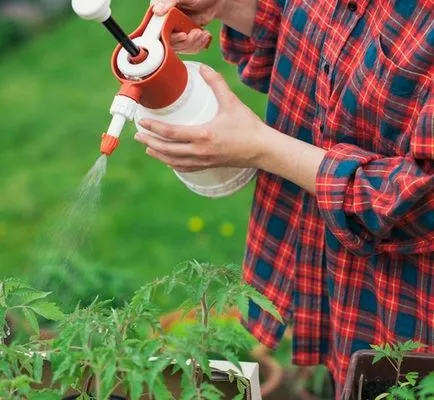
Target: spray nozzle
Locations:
point(108, 144)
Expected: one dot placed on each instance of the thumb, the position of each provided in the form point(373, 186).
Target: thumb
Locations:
point(217, 84)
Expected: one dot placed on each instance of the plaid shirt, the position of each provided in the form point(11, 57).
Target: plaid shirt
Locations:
point(354, 264)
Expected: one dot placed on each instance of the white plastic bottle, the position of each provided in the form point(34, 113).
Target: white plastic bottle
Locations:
point(197, 106)
point(157, 85)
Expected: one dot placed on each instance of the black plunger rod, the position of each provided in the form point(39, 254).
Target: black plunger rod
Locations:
point(123, 39)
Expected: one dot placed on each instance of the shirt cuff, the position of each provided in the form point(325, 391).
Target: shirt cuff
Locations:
point(335, 194)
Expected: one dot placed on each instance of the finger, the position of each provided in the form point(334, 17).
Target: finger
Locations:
point(162, 6)
point(196, 41)
point(178, 37)
point(177, 133)
point(189, 170)
point(176, 162)
point(218, 85)
point(174, 149)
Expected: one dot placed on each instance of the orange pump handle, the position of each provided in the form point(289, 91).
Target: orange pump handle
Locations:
point(166, 85)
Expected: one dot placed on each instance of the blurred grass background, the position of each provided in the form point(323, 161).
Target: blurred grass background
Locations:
point(55, 92)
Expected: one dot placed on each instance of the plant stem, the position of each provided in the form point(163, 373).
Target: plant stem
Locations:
point(398, 370)
point(98, 390)
point(205, 311)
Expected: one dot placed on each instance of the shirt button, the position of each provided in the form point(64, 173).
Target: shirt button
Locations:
point(326, 68)
point(352, 6)
point(321, 128)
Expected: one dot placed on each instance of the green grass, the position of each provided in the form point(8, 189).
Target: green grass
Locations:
point(55, 94)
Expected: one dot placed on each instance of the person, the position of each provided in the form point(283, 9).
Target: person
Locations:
point(341, 235)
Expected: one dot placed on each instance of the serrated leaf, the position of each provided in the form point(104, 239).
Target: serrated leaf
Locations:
point(403, 393)
point(221, 301)
point(426, 387)
point(108, 377)
point(241, 385)
point(157, 368)
point(135, 384)
point(388, 349)
point(24, 296)
point(37, 367)
point(47, 310)
point(378, 357)
point(187, 388)
point(412, 377)
point(242, 302)
point(30, 317)
point(63, 367)
point(160, 391)
point(265, 304)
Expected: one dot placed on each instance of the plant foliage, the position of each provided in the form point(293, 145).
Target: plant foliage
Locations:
point(100, 349)
point(406, 385)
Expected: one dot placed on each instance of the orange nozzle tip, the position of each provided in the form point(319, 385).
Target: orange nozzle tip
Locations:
point(108, 144)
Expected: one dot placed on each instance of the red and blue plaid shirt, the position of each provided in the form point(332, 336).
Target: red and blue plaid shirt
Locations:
point(354, 264)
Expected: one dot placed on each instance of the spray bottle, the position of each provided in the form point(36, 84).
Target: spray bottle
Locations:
point(156, 84)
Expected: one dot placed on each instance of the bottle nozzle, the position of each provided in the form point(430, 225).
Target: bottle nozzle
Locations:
point(108, 144)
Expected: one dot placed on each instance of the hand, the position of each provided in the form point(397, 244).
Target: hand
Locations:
point(232, 139)
point(202, 12)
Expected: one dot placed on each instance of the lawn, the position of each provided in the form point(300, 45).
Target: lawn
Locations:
point(55, 93)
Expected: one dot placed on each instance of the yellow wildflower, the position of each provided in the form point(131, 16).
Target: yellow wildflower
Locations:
point(196, 224)
point(227, 229)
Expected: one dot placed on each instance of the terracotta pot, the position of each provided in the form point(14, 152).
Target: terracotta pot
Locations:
point(362, 371)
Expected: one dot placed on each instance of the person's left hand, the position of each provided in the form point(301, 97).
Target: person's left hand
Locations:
point(231, 139)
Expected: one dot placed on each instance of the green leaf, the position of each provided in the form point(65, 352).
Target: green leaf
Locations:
point(412, 377)
point(24, 296)
point(38, 363)
point(46, 394)
point(221, 301)
point(47, 310)
point(157, 368)
point(241, 385)
point(426, 387)
point(108, 377)
point(135, 384)
point(387, 349)
point(403, 393)
point(2, 321)
point(160, 390)
point(378, 357)
point(265, 304)
point(30, 317)
point(242, 302)
point(63, 367)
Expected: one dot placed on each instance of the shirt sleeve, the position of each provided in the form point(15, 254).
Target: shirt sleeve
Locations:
point(374, 204)
point(255, 55)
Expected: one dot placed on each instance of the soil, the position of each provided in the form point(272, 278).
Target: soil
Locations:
point(372, 389)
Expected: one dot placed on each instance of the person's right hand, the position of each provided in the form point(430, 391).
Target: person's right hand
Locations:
point(202, 12)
